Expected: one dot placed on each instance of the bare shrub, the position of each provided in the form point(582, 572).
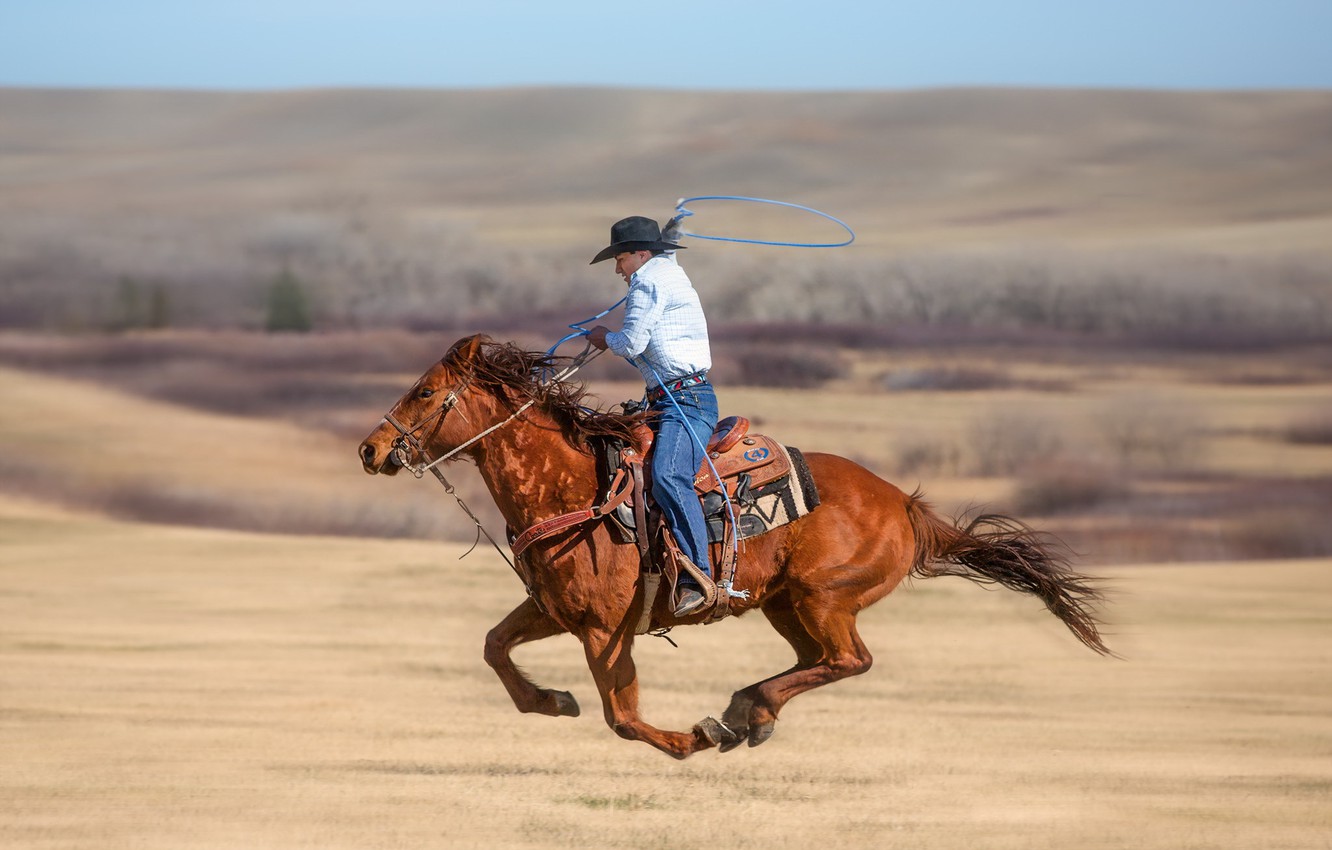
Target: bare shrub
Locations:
point(1148, 431)
point(1313, 429)
point(343, 353)
point(198, 504)
point(946, 378)
point(170, 504)
point(828, 334)
point(928, 456)
point(1134, 540)
point(1064, 487)
point(1004, 442)
point(1292, 532)
point(1247, 375)
point(1160, 298)
point(278, 393)
point(368, 266)
point(1215, 519)
point(800, 367)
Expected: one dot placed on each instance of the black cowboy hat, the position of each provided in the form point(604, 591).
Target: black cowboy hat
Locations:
point(635, 233)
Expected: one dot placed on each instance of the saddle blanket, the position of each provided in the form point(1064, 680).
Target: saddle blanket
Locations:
point(771, 505)
point(759, 509)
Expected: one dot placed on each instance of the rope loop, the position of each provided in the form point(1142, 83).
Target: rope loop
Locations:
point(683, 212)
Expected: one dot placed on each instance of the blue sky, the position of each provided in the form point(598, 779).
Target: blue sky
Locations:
point(778, 44)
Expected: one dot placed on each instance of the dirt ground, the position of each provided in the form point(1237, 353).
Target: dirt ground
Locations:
point(183, 688)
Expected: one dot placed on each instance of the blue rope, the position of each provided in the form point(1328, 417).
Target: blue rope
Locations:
point(579, 330)
point(702, 447)
point(726, 498)
point(683, 212)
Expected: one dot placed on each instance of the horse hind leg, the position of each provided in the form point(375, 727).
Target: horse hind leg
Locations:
point(828, 648)
point(736, 722)
point(524, 624)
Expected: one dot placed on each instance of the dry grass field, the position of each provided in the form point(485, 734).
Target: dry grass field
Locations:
point(1108, 313)
point(180, 688)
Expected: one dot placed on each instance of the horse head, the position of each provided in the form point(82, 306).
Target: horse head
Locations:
point(440, 412)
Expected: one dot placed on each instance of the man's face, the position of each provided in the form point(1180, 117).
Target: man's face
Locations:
point(629, 262)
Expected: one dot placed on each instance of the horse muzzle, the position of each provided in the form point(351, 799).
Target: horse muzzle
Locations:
point(374, 464)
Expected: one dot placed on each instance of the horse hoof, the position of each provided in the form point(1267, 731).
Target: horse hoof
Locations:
point(736, 721)
point(732, 736)
point(759, 734)
point(712, 731)
point(736, 715)
point(565, 704)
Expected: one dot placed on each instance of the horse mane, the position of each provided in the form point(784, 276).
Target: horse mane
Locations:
point(514, 375)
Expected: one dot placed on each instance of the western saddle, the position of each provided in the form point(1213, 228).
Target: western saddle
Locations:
point(734, 456)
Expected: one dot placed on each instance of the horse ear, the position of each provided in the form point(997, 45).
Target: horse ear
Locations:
point(466, 349)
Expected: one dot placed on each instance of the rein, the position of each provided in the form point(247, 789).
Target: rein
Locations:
point(407, 437)
point(422, 468)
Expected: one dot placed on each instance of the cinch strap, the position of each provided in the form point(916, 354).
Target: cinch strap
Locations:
point(620, 491)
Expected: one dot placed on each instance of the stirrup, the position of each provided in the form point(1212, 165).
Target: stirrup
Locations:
point(691, 601)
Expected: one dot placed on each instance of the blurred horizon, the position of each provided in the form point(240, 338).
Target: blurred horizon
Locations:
point(781, 45)
point(396, 205)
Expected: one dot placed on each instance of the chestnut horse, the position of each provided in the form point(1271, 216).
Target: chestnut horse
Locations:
point(809, 578)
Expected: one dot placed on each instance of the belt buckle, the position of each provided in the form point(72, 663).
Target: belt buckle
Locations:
point(661, 391)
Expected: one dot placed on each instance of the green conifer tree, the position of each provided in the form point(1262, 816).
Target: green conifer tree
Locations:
point(287, 307)
point(128, 311)
point(159, 308)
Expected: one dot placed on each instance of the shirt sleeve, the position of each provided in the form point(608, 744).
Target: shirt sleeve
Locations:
point(642, 312)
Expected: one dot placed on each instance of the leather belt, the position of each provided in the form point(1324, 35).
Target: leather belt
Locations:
point(656, 394)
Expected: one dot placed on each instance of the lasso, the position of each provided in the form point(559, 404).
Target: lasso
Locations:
point(682, 212)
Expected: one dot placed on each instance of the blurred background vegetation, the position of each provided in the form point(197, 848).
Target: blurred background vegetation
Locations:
point(1110, 311)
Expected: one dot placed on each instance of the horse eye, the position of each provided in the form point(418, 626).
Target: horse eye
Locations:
point(425, 393)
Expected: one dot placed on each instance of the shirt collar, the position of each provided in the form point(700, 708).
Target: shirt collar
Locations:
point(659, 260)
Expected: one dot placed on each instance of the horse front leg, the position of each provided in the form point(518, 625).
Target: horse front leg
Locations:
point(611, 662)
point(524, 624)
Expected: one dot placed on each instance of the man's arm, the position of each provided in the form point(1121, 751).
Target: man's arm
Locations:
point(642, 312)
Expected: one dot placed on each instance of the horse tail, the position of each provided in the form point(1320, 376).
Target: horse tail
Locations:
point(997, 549)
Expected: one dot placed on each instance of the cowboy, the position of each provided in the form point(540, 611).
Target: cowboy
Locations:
point(666, 336)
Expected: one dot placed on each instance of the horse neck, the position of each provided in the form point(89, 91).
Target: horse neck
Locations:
point(532, 471)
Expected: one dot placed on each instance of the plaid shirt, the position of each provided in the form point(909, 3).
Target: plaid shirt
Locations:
point(664, 328)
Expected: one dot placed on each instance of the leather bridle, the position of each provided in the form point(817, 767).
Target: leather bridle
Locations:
point(409, 437)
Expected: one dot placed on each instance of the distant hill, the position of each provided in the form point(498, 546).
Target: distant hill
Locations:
point(212, 188)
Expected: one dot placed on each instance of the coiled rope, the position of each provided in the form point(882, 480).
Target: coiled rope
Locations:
point(683, 212)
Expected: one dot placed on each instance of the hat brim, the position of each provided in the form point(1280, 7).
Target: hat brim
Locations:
point(622, 247)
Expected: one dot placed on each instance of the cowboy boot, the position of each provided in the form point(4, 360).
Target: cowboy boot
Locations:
point(691, 598)
point(690, 601)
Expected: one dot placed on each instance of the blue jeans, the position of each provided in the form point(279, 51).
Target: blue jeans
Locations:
point(676, 458)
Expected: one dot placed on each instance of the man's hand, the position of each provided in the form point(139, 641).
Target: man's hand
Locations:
point(597, 336)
